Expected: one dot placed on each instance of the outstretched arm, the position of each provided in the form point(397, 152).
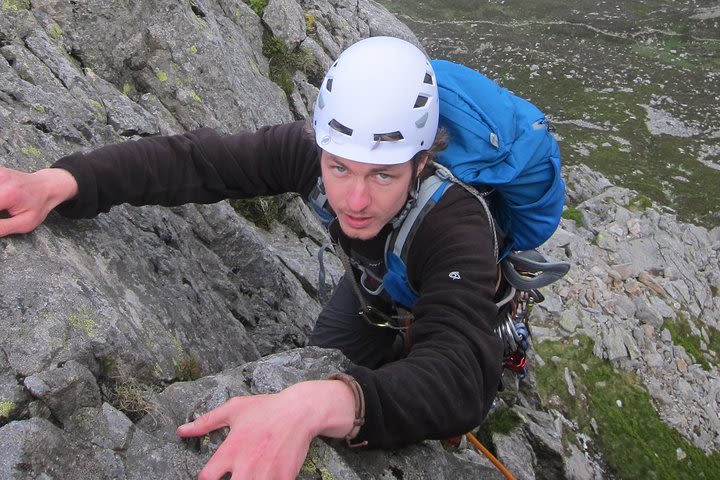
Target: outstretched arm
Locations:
point(201, 166)
point(27, 198)
point(270, 434)
point(197, 167)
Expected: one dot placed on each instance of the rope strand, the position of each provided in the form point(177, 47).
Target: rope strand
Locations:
point(489, 456)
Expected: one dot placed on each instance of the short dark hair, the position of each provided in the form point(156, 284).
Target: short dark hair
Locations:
point(442, 137)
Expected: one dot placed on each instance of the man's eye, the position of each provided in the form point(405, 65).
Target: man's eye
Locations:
point(339, 168)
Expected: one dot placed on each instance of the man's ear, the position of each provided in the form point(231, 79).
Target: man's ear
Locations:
point(423, 161)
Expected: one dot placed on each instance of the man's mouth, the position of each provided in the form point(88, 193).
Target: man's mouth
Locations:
point(357, 222)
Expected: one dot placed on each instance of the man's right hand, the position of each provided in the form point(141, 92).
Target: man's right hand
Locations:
point(29, 197)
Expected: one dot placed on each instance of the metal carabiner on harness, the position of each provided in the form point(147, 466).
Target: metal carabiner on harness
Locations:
point(377, 318)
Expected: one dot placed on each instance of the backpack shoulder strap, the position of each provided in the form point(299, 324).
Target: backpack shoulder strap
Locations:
point(431, 189)
point(319, 203)
point(395, 281)
point(398, 243)
point(445, 172)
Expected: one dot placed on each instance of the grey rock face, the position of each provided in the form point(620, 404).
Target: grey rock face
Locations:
point(286, 19)
point(36, 448)
point(65, 389)
point(101, 442)
point(104, 320)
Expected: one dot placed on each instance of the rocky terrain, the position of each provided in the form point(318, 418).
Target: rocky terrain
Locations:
point(117, 329)
point(635, 268)
point(632, 85)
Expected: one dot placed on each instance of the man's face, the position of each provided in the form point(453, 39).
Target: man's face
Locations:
point(364, 196)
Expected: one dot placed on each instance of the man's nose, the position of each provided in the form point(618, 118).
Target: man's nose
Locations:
point(359, 196)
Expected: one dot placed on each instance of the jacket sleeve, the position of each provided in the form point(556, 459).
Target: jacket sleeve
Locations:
point(448, 381)
point(197, 167)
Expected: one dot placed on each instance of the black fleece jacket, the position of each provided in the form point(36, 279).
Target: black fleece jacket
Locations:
point(447, 382)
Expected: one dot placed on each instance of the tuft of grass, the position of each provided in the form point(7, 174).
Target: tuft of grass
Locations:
point(258, 6)
point(284, 63)
point(572, 213)
point(636, 443)
point(188, 369)
point(262, 211)
point(129, 395)
point(132, 397)
point(641, 202)
point(282, 67)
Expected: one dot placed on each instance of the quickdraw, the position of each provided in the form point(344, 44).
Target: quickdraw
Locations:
point(514, 329)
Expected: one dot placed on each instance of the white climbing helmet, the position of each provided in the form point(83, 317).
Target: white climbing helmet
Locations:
point(378, 103)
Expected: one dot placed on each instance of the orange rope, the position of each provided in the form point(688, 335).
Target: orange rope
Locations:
point(490, 456)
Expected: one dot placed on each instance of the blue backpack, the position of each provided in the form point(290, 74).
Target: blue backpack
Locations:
point(504, 142)
point(502, 150)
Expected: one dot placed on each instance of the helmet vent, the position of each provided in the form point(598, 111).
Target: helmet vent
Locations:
point(420, 101)
point(335, 125)
point(328, 84)
point(388, 137)
point(428, 79)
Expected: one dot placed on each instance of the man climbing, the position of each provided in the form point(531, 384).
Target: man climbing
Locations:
point(374, 130)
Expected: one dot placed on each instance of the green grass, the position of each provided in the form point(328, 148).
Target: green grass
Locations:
point(633, 439)
point(284, 63)
point(571, 213)
point(602, 79)
point(645, 165)
point(262, 211)
point(502, 11)
point(258, 6)
point(188, 369)
point(282, 66)
point(683, 335)
point(124, 392)
point(641, 202)
point(652, 164)
point(502, 420)
point(447, 10)
point(663, 54)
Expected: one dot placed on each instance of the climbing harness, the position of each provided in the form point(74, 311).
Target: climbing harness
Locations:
point(374, 316)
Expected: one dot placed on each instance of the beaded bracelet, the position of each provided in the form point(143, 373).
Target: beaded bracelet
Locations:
point(359, 407)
